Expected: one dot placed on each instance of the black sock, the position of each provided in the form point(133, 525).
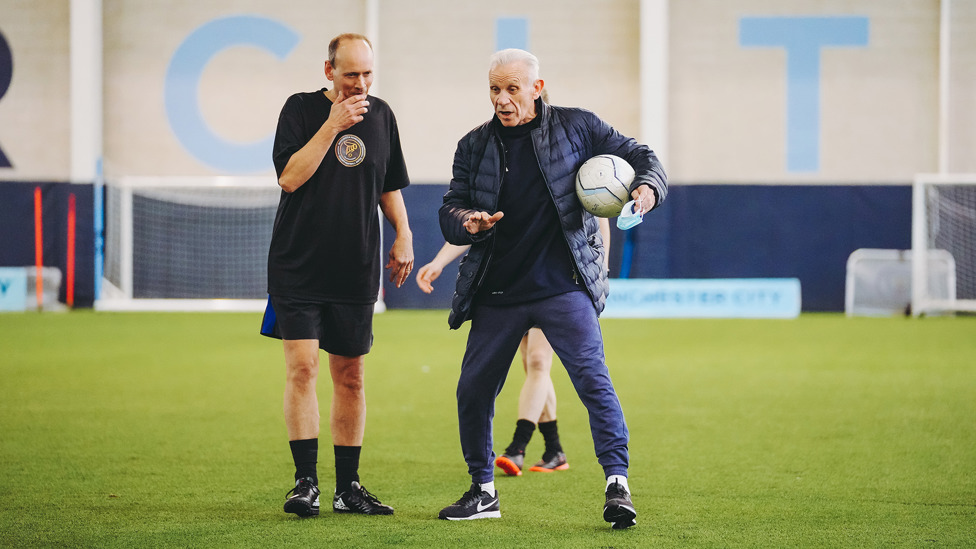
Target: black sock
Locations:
point(551, 435)
point(347, 466)
point(523, 434)
point(306, 454)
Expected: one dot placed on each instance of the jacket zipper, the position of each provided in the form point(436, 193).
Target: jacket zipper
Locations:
point(569, 246)
point(491, 245)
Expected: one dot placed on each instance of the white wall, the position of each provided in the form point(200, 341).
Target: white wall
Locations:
point(727, 113)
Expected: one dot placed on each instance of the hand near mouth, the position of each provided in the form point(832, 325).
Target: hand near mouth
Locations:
point(348, 111)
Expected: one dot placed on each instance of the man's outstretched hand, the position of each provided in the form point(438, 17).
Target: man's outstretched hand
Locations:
point(481, 221)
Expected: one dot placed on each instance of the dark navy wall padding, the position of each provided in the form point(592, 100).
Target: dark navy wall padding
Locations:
point(423, 202)
point(716, 231)
point(702, 231)
point(806, 232)
point(17, 232)
point(649, 247)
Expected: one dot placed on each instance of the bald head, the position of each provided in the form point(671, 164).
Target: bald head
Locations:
point(344, 38)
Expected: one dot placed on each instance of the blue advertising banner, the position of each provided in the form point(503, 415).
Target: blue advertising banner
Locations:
point(704, 298)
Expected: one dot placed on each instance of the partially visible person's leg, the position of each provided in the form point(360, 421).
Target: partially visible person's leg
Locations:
point(537, 400)
point(537, 407)
point(539, 366)
point(531, 402)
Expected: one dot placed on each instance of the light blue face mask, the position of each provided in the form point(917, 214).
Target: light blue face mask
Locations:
point(628, 218)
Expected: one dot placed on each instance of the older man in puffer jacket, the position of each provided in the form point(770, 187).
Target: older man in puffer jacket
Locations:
point(536, 259)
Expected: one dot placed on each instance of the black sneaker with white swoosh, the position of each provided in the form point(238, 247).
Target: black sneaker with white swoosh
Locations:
point(474, 504)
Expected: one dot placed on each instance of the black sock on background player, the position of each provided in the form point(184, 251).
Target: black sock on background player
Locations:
point(523, 434)
point(550, 433)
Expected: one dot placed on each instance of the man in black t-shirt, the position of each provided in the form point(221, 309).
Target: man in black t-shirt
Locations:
point(337, 155)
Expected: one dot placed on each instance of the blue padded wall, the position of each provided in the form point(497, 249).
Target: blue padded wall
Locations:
point(17, 231)
point(702, 231)
point(718, 231)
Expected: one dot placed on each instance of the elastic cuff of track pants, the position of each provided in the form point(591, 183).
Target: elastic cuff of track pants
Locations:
point(615, 470)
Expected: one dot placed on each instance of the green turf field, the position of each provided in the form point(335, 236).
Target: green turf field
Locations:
point(159, 430)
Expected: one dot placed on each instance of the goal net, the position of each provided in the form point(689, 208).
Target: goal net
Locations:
point(944, 219)
point(187, 243)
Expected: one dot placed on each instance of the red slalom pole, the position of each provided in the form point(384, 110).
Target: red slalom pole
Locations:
point(70, 282)
point(39, 245)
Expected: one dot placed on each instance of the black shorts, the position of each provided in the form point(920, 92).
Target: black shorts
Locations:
point(344, 329)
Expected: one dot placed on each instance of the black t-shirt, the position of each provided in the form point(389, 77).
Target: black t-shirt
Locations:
point(529, 257)
point(326, 240)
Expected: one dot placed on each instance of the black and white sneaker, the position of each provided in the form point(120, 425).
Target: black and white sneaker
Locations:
point(474, 504)
point(619, 510)
point(357, 500)
point(303, 499)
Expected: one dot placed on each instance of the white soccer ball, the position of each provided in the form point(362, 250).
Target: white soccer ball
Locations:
point(603, 185)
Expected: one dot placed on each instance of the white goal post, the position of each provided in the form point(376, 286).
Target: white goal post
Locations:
point(188, 243)
point(944, 218)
